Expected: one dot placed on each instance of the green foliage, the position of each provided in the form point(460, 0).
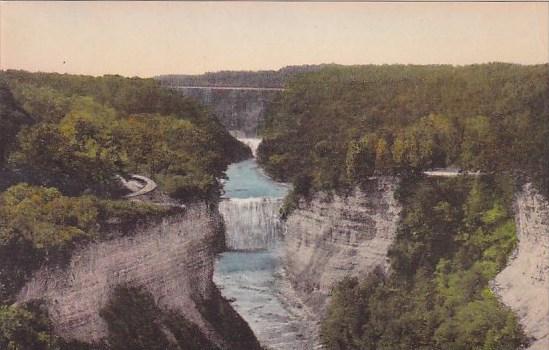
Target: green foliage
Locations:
point(261, 79)
point(90, 129)
point(300, 190)
point(44, 217)
point(39, 224)
point(340, 125)
point(454, 237)
point(42, 103)
point(180, 156)
point(136, 322)
point(12, 118)
point(73, 135)
point(74, 156)
point(20, 328)
point(28, 327)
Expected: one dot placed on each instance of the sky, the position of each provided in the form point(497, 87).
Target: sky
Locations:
point(146, 39)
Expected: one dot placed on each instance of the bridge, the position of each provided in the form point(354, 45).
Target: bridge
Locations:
point(242, 88)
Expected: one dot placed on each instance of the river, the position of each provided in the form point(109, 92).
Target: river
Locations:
point(250, 273)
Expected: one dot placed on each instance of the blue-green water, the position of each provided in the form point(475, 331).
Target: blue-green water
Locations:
point(247, 180)
point(250, 273)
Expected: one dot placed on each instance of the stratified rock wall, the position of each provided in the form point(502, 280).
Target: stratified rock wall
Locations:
point(524, 284)
point(173, 260)
point(329, 238)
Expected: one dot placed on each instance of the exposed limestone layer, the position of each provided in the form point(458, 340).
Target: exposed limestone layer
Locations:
point(328, 239)
point(173, 260)
point(242, 110)
point(524, 284)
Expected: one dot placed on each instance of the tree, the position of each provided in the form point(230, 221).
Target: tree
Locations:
point(361, 157)
point(12, 119)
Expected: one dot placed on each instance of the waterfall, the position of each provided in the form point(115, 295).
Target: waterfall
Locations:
point(250, 273)
point(253, 143)
point(251, 211)
point(251, 223)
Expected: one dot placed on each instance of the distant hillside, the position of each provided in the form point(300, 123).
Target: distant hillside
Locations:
point(265, 79)
point(341, 124)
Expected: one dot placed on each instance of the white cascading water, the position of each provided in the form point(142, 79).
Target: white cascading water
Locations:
point(251, 223)
point(250, 273)
point(253, 143)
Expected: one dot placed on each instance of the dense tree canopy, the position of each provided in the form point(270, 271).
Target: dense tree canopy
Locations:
point(87, 130)
point(12, 118)
point(342, 124)
point(260, 79)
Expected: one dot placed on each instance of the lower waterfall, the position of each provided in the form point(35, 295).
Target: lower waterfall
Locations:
point(251, 223)
point(250, 272)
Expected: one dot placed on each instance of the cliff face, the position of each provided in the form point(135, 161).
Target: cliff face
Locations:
point(524, 284)
point(173, 260)
point(242, 110)
point(328, 239)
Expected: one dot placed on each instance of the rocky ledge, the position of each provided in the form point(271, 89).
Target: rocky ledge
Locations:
point(331, 237)
point(524, 284)
point(173, 260)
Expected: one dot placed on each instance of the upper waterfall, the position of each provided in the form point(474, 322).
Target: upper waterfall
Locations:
point(253, 143)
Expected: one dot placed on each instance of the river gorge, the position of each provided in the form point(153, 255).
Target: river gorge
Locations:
point(250, 273)
point(278, 275)
point(208, 248)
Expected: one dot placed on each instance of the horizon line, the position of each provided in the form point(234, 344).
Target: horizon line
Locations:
point(2, 69)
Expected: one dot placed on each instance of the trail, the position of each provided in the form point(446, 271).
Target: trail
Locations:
point(138, 185)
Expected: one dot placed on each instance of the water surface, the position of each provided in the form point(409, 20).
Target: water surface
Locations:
point(247, 180)
point(249, 274)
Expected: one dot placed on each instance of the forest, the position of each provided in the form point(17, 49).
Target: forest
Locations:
point(64, 139)
point(260, 79)
point(334, 129)
point(76, 132)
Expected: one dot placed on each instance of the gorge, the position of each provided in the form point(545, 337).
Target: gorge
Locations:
point(330, 237)
point(279, 275)
point(250, 272)
point(370, 246)
point(173, 260)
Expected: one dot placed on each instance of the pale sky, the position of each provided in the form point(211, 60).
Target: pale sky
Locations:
point(147, 39)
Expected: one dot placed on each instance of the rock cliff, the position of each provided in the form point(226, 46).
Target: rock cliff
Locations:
point(329, 238)
point(524, 284)
point(173, 260)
